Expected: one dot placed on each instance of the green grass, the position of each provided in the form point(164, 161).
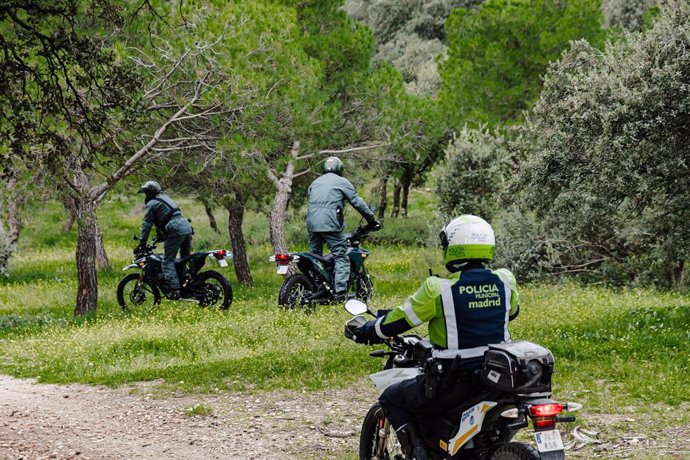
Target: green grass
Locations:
point(612, 348)
point(198, 410)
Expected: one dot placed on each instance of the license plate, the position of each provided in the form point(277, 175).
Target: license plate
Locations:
point(282, 269)
point(548, 441)
point(223, 262)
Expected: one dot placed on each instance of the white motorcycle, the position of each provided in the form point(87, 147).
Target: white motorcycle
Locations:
point(516, 387)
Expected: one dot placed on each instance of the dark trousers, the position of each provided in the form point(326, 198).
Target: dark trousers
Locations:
point(173, 243)
point(337, 244)
point(405, 402)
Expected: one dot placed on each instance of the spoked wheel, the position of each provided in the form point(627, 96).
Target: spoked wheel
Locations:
point(364, 290)
point(514, 451)
point(294, 290)
point(378, 440)
point(216, 290)
point(137, 292)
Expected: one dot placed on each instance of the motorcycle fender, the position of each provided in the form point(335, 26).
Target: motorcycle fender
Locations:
point(130, 266)
point(470, 424)
point(388, 377)
point(318, 266)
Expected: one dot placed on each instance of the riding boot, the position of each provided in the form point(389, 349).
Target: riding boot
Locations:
point(412, 443)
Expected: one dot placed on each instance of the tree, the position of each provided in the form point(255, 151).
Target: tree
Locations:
point(410, 35)
point(414, 131)
point(326, 114)
point(476, 169)
point(604, 153)
point(628, 14)
point(94, 105)
point(498, 53)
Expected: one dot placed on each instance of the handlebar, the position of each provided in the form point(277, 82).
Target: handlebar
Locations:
point(361, 233)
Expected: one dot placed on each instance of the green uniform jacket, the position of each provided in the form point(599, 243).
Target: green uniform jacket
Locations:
point(465, 311)
point(163, 213)
point(327, 195)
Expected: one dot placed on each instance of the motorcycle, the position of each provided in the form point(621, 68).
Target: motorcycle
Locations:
point(314, 285)
point(515, 388)
point(208, 287)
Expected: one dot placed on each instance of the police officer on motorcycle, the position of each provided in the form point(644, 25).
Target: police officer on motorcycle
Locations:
point(162, 212)
point(325, 219)
point(466, 311)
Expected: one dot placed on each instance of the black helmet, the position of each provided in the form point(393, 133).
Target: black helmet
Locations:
point(334, 165)
point(151, 188)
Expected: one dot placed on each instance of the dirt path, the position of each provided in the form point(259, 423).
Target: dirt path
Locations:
point(39, 421)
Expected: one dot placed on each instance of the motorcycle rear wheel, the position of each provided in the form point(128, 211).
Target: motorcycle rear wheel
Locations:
point(514, 451)
point(135, 294)
point(217, 290)
point(373, 427)
point(294, 289)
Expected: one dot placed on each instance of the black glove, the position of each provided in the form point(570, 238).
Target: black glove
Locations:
point(363, 334)
point(140, 249)
point(373, 223)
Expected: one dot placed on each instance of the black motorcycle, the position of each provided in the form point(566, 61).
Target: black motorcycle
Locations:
point(209, 288)
point(514, 386)
point(314, 285)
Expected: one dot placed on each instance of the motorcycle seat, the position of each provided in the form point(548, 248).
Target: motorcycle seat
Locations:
point(184, 260)
point(326, 260)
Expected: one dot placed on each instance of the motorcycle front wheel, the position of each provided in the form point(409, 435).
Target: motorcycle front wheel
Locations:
point(364, 290)
point(294, 289)
point(137, 292)
point(378, 440)
point(216, 290)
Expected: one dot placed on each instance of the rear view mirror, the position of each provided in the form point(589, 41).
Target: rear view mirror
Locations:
point(356, 307)
point(136, 238)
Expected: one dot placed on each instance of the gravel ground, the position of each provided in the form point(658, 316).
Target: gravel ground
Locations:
point(39, 421)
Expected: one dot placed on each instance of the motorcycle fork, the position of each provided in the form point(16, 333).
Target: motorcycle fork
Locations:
point(384, 430)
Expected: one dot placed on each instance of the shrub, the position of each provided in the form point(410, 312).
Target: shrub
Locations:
point(475, 170)
point(604, 153)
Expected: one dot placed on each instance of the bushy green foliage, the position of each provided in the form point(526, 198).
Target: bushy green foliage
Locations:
point(476, 167)
point(628, 14)
point(498, 53)
point(604, 153)
point(410, 35)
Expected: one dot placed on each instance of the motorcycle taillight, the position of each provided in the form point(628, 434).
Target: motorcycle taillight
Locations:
point(545, 410)
point(544, 415)
point(283, 259)
point(220, 254)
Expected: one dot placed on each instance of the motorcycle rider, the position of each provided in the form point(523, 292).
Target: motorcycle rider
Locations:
point(465, 312)
point(162, 212)
point(325, 219)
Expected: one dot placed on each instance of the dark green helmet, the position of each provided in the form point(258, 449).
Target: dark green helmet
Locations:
point(334, 165)
point(151, 188)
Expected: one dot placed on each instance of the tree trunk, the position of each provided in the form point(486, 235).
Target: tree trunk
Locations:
point(101, 257)
point(70, 210)
point(211, 218)
point(235, 207)
point(396, 200)
point(406, 180)
point(14, 223)
point(87, 236)
point(279, 207)
point(677, 274)
point(278, 215)
point(383, 196)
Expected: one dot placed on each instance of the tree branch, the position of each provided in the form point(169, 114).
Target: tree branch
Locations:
point(354, 149)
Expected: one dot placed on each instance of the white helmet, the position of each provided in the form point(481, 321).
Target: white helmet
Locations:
point(466, 238)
